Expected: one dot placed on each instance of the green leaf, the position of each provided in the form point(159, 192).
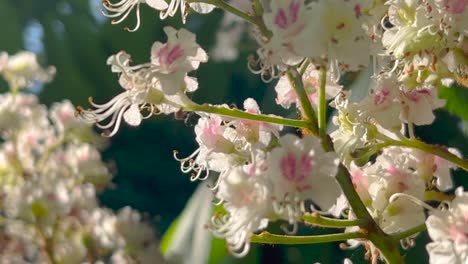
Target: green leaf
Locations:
point(218, 251)
point(457, 100)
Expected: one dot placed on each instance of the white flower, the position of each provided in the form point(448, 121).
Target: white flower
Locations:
point(255, 134)
point(448, 228)
point(412, 32)
point(124, 7)
point(173, 60)
point(430, 166)
point(121, 9)
point(287, 19)
point(300, 170)
point(245, 194)
point(17, 112)
point(418, 106)
point(86, 164)
point(354, 129)
point(382, 105)
point(453, 18)
point(143, 95)
point(335, 27)
point(219, 149)
point(393, 173)
point(22, 70)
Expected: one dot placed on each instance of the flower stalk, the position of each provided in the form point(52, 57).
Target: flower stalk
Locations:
point(268, 238)
point(296, 82)
point(224, 111)
point(318, 220)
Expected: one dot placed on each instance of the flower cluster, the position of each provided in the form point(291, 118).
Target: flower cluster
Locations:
point(261, 176)
point(22, 70)
point(158, 86)
point(261, 172)
point(50, 173)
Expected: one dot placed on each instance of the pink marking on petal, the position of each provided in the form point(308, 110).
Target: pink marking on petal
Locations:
point(358, 10)
point(297, 169)
point(455, 6)
point(161, 54)
point(168, 56)
point(31, 139)
point(358, 178)
point(401, 178)
point(307, 164)
point(176, 53)
point(281, 20)
point(288, 166)
point(381, 95)
point(66, 115)
point(457, 235)
point(212, 128)
point(393, 170)
point(84, 156)
point(294, 11)
point(415, 95)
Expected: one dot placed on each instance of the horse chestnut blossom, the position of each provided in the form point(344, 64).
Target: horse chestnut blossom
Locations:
point(448, 228)
point(368, 175)
point(300, 170)
point(245, 195)
point(123, 8)
point(155, 87)
point(22, 70)
point(170, 62)
point(51, 172)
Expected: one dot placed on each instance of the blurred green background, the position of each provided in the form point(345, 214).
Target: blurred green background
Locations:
point(77, 39)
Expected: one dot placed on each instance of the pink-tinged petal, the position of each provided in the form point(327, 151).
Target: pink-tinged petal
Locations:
point(294, 11)
point(157, 4)
point(281, 20)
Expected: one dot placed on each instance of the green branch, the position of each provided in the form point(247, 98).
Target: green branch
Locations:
point(317, 219)
point(267, 238)
point(386, 244)
point(322, 110)
point(409, 232)
point(296, 82)
point(206, 108)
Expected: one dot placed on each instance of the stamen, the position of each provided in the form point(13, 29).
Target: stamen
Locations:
point(411, 198)
point(121, 11)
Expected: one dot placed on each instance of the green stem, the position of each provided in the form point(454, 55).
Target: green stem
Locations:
point(267, 238)
point(317, 219)
point(304, 66)
point(206, 108)
point(409, 232)
point(296, 82)
point(322, 110)
point(385, 243)
point(257, 8)
point(437, 150)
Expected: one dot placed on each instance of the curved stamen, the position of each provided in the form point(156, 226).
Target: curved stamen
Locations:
point(411, 198)
point(121, 11)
